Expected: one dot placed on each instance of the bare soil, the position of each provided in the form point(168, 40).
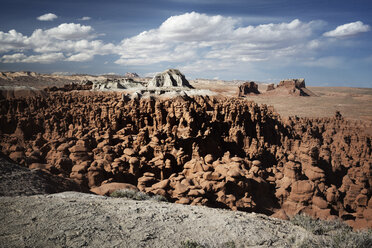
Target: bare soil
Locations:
point(352, 103)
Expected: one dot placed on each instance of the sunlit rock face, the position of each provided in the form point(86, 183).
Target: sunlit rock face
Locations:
point(169, 78)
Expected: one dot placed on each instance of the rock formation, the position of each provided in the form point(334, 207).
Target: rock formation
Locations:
point(7, 92)
point(131, 75)
point(85, 85)
point(295, 87)
point(169, 78)
point(270, 87)
point(248, 88)
point(116, 84)
point(218, 152)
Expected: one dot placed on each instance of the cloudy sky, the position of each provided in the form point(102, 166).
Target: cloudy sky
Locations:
point(326, 42)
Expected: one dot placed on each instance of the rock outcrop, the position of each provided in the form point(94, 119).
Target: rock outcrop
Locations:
point(131, 75)
point(85, 85)
point(116, 84)
point(218, 152)
point(294, 87)
point(8, 92)
point(169, 78)
point(248, 88)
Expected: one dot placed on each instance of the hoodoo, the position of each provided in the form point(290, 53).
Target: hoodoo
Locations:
point(218, 152)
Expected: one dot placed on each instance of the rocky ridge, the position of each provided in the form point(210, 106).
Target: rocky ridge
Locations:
point(218, 152)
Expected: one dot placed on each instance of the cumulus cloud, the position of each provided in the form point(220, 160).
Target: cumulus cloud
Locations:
point(11, 40)
point(42, 58)
point(329, 62)
point(47, 17)
point(191, 41)
point(349, 29)
point(85, 18)
point(80, 57)
point(70, 31)
point(68, 41)
point(198, 36)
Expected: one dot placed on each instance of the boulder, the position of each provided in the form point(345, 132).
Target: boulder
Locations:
point(108, 188)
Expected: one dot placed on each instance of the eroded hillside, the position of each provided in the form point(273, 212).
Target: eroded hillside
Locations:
point(219, 152)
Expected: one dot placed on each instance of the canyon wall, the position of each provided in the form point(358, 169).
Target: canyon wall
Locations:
point(219, 152)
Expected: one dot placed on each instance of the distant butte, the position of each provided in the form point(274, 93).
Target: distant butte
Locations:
point(294, 87)
point(169, 78)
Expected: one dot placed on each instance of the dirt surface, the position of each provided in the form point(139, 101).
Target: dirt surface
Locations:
point(73, 219)
point(353, 103)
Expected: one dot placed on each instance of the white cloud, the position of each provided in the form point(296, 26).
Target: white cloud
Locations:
point(199, 37)
point(349, 29)
point(42, 58)
point(329, 62)
point(47, 17)
point(70, 31)
point(85, 18)
point(13, 58)
point(191, 41)
point(70, 40)
point(195, 27)
point(11, 40)
point(80, 57)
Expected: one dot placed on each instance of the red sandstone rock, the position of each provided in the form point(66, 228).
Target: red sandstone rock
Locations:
point(248, 88)
point(202, 150)
point(295, 87)
point(108, 188)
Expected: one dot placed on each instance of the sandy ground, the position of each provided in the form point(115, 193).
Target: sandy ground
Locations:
point(353, 103)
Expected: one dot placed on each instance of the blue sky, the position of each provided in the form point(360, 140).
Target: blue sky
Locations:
point(326, 42)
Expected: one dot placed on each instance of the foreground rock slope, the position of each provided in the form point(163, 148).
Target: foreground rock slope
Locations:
point(218, 152)
point(16, 180)
point(73, 219)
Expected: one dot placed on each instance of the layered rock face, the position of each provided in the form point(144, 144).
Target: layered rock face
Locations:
point(248, 88)
point(219, 152)
point(169, 78)
point(295, 87)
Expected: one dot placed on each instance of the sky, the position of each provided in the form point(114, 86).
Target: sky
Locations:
point(326, 42)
